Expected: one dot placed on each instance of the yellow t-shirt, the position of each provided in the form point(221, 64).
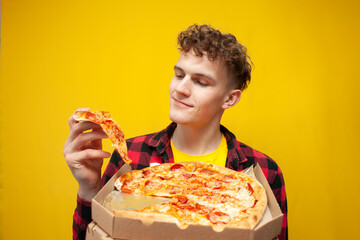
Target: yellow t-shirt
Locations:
point(217, 157)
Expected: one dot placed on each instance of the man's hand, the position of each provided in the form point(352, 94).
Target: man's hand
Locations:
point(84, 155)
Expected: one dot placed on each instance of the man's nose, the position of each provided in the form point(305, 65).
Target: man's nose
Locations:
point(184, 86)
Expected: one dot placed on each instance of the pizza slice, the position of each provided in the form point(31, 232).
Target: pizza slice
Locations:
point(109, 126)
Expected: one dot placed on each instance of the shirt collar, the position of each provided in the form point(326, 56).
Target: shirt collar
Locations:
point(235, 153)
point(161, 141)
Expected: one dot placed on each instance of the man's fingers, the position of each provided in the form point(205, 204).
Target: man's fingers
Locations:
point(86, 137)
point(87, 154)
point(81, 141)
point(84, 126)
point(72, 120)
point(80, 127)
point(96, 144)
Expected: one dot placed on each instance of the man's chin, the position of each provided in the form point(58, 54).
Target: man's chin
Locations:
point(180, 120)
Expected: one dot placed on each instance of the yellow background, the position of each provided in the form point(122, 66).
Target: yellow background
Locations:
point(302, 107)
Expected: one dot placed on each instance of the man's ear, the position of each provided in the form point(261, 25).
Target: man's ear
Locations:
point(232, 98)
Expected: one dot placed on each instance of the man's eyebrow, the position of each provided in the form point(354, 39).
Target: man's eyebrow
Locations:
point(178, 68)
point(197, 74)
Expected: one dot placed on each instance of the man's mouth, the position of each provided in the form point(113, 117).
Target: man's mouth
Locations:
point(181, 103)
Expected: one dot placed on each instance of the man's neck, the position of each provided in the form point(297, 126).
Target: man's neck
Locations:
point(197, 140)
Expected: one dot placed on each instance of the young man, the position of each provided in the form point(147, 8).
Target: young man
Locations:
point(210, 75)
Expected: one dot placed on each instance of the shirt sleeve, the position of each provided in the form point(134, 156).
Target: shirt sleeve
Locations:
point(278, 187)
point(82, 217)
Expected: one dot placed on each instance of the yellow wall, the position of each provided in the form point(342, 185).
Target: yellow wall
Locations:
point(302, 107)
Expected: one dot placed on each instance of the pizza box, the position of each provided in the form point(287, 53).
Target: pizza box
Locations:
point(94, 232)
point(126, 228)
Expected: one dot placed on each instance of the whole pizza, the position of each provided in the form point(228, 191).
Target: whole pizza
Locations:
point(198, 193)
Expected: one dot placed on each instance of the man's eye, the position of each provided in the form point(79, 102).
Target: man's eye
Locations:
point(201, 83)
point(179, 76)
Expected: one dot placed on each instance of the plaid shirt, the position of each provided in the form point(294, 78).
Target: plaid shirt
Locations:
point(155, 148)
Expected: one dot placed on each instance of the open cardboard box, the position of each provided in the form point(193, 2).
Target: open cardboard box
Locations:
point(94, 232)
point(127, 228)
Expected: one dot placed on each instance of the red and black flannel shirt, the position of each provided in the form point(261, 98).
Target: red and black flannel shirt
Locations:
point(155, 148)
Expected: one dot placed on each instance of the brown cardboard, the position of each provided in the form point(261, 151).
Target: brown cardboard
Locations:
point(94, 232)
point(126, 228)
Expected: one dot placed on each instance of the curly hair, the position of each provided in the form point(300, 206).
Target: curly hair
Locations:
point(205, 39)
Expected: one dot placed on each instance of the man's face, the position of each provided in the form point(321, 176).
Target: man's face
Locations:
point(198, 90)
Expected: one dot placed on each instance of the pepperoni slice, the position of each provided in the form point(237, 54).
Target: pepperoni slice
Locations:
point(148, 173)
point(165, 177)
point(126, 189)
point(227, 179)
point(177, 166)
point(218, 218)
point(206, 171)
point(188, 175)
point(182, 199)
